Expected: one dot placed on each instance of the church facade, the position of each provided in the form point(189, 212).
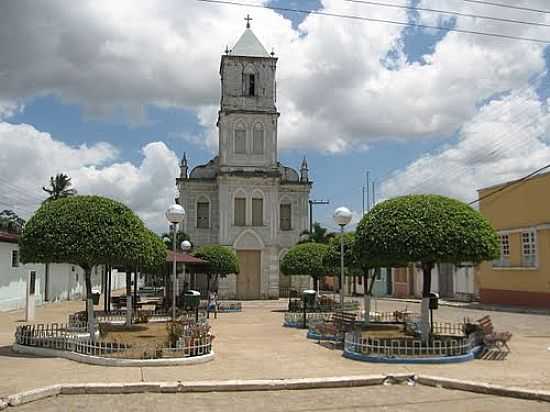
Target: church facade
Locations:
point(244, 197)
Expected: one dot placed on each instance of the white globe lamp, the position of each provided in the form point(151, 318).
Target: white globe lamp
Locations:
point(175, 214)
point(342, 216)
point(186, 246)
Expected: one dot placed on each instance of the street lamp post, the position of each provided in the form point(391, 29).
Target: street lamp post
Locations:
point(342, 216)
point(174, 214)
point(185, 248)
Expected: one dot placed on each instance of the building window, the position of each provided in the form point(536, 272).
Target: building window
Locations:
point(258, 139)
point(251, 84)
point(286, 213)
point(14, 258)
point(203, 215)
point(240, 211)
point(504, 260)
point(240, 140)
point(257, 212)
point(528, 249)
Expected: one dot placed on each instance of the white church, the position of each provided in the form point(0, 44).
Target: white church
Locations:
point(244, 197)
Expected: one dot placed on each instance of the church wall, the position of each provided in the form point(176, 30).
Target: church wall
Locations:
point(227, 125)
point(192, 192)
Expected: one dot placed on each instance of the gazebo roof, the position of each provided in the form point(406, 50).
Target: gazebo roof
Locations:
point(184, 258)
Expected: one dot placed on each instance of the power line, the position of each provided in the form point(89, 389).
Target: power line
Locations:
point(377, 20)
point(453, 13)
point(506, 6)
point(509, 184)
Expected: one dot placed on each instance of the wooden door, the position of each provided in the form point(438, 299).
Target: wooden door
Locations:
point(248, 280)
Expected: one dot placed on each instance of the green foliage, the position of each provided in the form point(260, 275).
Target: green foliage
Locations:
point(306, 259)
point(167, 239)
point(319, 234)
point(153, 255)
point(83, 230)
point(332, 257)
point(222, 260)
point(424, 228)
point(60, 187)
point(10, 222)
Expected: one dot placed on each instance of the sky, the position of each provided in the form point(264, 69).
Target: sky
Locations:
point(113, 93)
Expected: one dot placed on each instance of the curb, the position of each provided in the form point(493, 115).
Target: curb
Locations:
point(485, 388)
point(269, 385)
point(113, 362)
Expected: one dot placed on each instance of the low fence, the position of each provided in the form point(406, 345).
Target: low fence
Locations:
point(77, 321)
point(406, 347)
point(448, 329)
point(390, 317)
point(58, 337)
point(297, 305)
point(296, 319)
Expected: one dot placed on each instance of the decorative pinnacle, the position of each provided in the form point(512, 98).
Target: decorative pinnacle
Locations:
point(248, 19)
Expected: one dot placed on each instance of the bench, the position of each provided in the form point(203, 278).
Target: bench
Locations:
point(493, 339)
point(337, 326)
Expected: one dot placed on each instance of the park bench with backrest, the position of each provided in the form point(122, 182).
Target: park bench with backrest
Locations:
point(493, 339)
point(338, 325)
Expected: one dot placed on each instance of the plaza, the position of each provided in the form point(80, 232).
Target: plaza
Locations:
point(252, 344)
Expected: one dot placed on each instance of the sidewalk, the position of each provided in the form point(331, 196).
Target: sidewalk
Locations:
point(476, 306)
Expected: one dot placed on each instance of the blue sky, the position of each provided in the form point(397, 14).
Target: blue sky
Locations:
point(392, 154)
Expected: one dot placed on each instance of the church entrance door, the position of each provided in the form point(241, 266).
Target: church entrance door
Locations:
point(248, 280)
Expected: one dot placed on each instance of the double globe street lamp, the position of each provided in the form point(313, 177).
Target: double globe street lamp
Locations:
point(342, 216)
point(174, 214)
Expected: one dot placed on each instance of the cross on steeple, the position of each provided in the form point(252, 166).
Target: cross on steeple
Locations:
point(248, 19)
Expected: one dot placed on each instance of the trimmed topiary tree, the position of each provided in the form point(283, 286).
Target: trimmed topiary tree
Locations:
point(85, 231)
point(428, 229)
point(222, 261)
point(306, 259)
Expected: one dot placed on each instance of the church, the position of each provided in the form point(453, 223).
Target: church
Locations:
point(244, 197)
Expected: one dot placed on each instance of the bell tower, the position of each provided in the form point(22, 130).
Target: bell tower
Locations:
point(247, 119)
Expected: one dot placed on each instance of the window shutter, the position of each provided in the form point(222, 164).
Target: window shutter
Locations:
point(258, 140)
point(203, 215)
point(257, 212)
point(240, 141)
point(240, 211)
point(285, 212)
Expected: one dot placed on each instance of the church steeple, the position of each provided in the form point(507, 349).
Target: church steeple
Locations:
point(247, 120)
point(183, 166)
point(304, 171)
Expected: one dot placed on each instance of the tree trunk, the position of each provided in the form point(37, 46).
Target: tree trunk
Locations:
point(90, 303)
point(425, 308)
point(134, 301)
point(129, 299)
point(366, 297)
point(108, 296)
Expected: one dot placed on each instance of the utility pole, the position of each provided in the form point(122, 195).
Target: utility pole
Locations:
point(311, 203)
point(368, 192)
point(373, 194)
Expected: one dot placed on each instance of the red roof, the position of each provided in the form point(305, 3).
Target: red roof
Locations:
point(8, 237)
point(184, 258)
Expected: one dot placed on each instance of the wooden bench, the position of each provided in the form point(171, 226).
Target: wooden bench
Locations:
point(493, 339)
point(338, 325)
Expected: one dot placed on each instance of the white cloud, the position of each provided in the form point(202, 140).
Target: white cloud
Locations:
point(28, 157)
point(507, 139)
point(336, 91)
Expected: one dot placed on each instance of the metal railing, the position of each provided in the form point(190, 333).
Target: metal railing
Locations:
point(58, 337)
point(296, 319)
point(406, 347)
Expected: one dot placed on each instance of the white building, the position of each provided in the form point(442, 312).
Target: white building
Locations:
point(54, 282)
point(244, 197)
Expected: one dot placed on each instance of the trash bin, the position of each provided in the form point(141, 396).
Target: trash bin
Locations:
point(434, 301)
point(95, 298)
point(308, 296)
point(191, 300)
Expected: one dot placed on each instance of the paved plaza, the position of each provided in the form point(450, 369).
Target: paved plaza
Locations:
point(254, 345)
point(377, 398)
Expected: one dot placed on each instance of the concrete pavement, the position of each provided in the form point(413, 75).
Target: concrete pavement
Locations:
point(254, 345)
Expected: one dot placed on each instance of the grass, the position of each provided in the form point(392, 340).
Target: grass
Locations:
point(141, 334)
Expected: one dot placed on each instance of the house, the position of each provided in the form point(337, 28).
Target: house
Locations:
point(520, 212)
point(244, 197)
point(54, 281)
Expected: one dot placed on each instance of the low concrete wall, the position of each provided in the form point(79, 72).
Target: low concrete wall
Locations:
point(105, 361)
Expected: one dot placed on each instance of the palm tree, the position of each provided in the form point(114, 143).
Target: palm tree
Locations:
point(319, 234)
point(59, 187)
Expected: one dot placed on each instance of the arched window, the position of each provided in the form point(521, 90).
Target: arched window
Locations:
point(258, 139)
point(249, 81)
point(285, 214)
point(240, 139)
